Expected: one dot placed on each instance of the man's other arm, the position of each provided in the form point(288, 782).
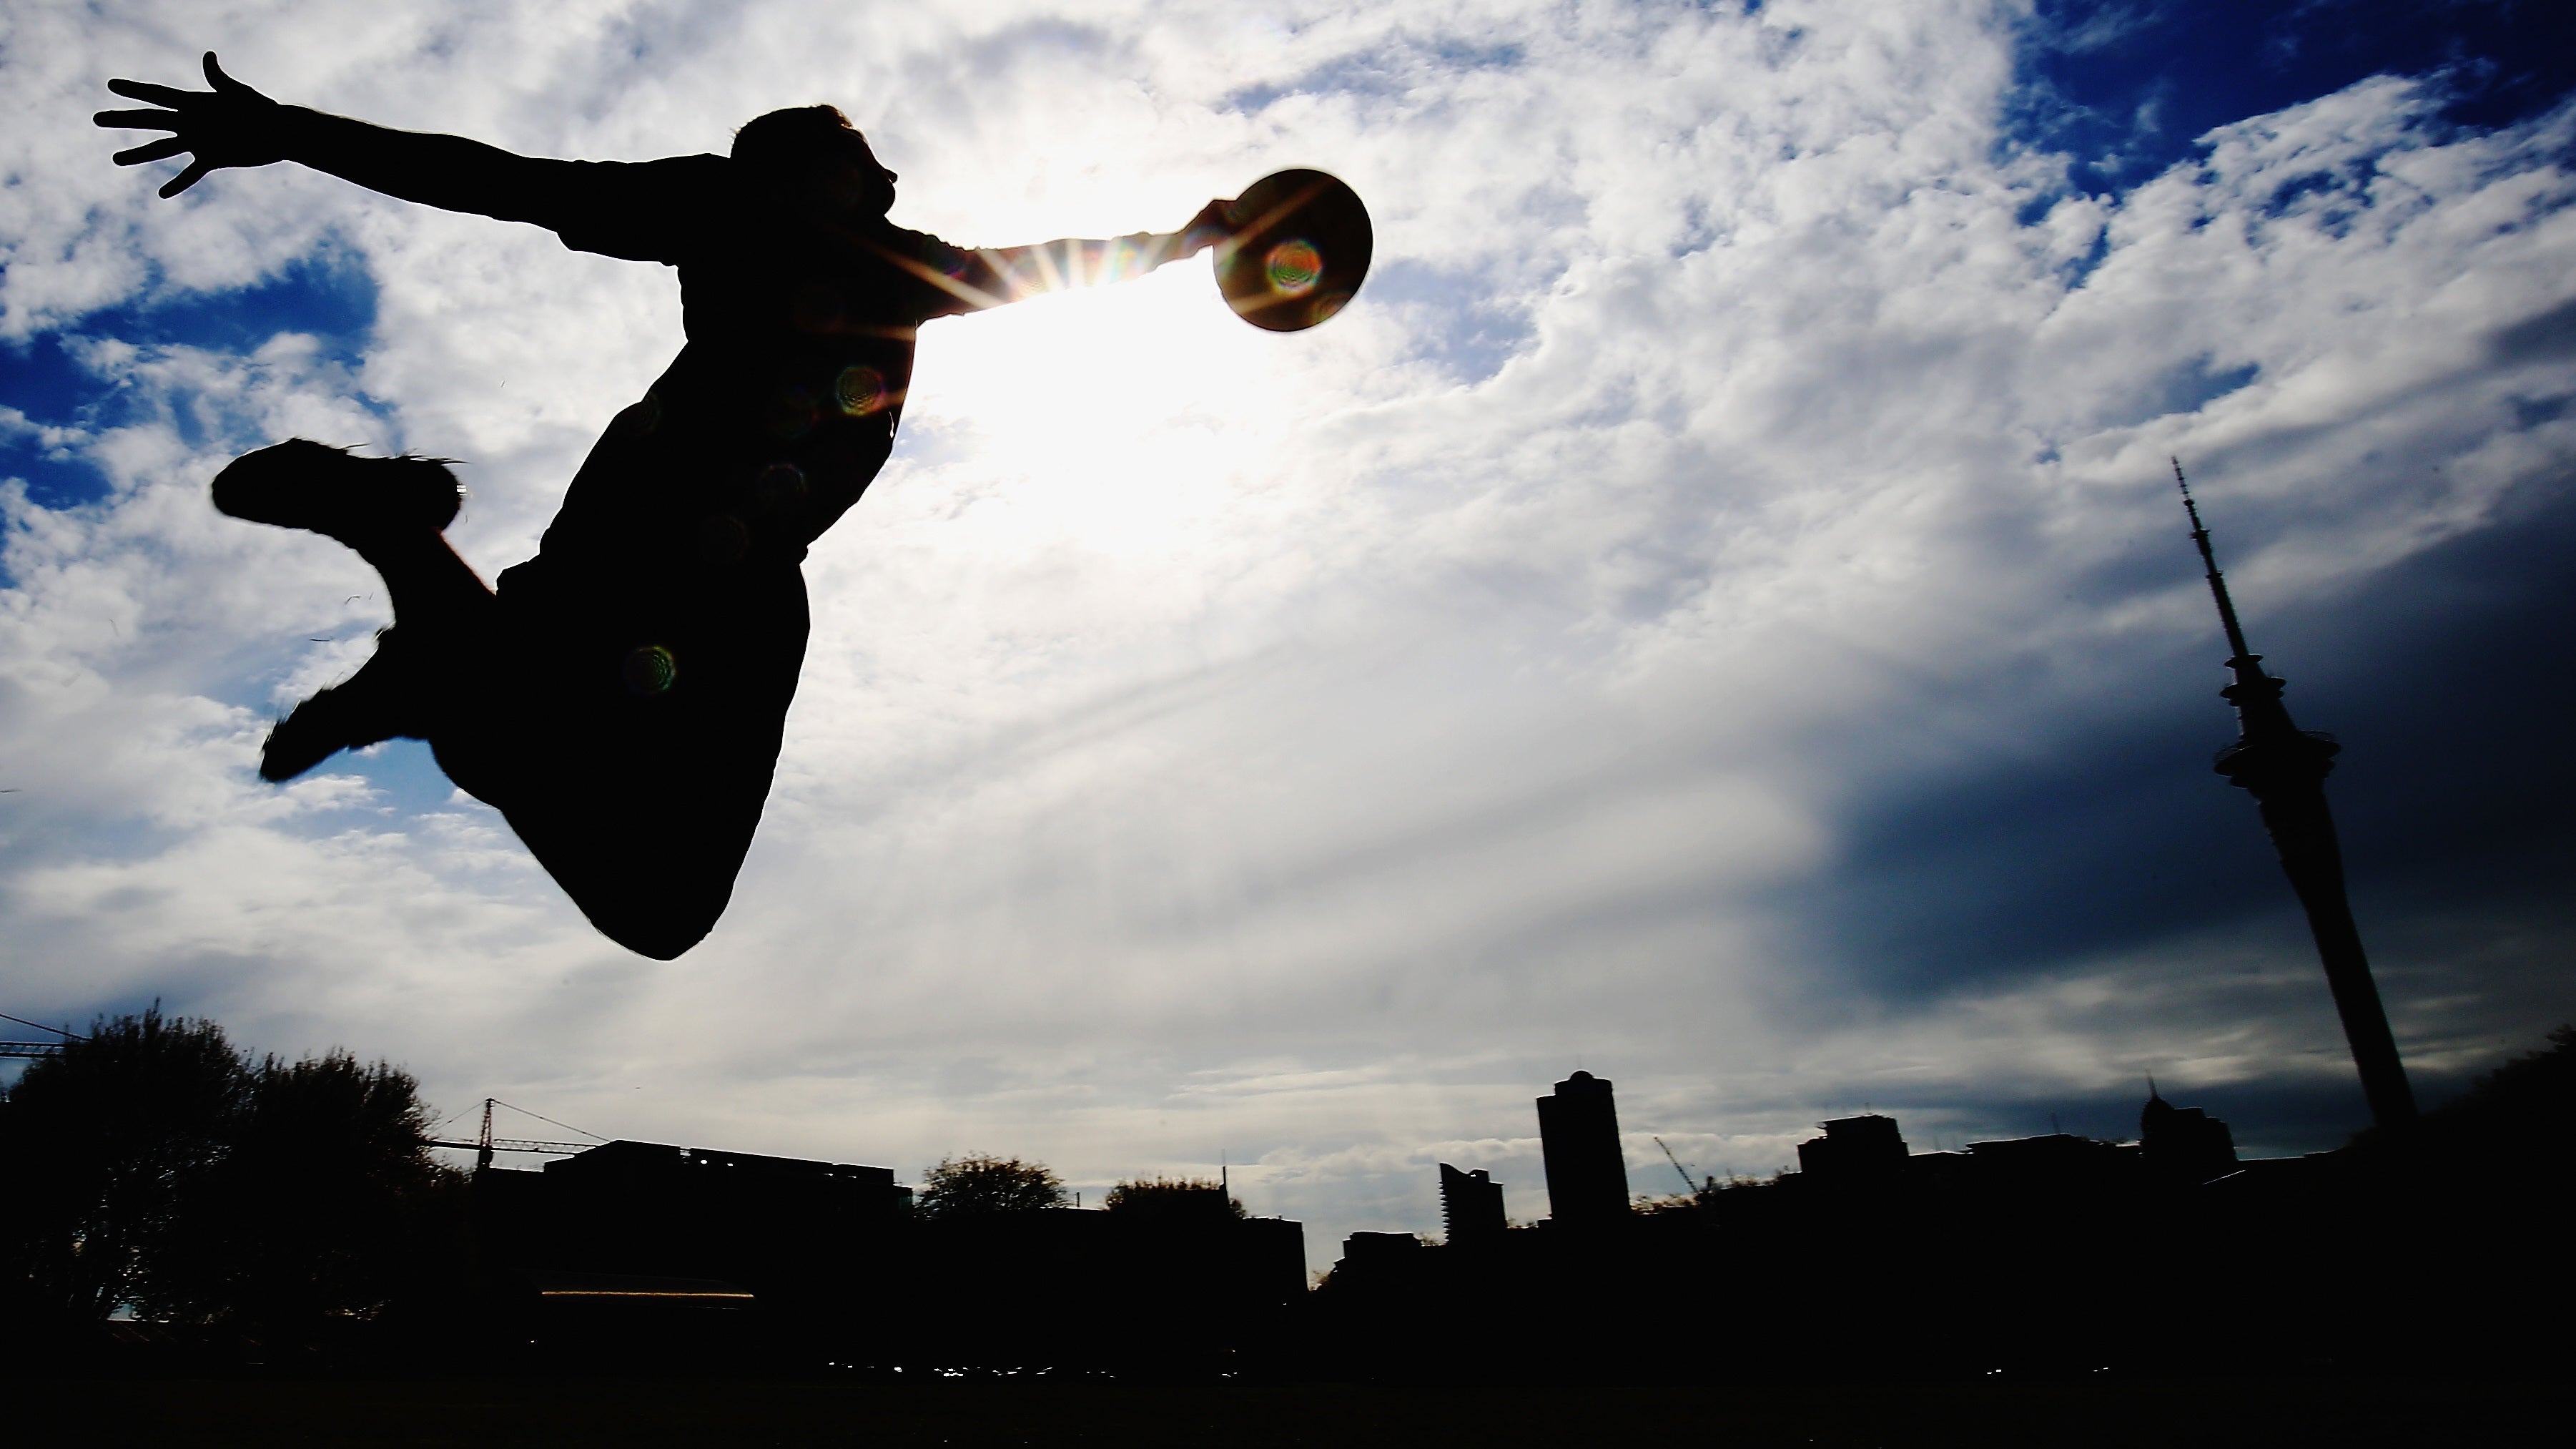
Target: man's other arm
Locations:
point(592, 203)
point(972, 279)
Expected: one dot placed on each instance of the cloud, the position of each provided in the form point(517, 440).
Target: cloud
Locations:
point(1715, 609)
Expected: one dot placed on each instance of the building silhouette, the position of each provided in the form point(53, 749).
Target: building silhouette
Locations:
point(2183, 1144)
point(1370, 1249)
point(651, 1208)
point(2285, 768)
point(1578, 1133)
point(1471, 1207)
point(1855, 1151)
point(642, 1253)
point(2057, 1254)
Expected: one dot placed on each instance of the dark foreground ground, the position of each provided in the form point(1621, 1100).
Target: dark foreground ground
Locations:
point(495, 1414)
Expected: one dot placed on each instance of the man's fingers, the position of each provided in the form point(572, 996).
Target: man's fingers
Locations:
point(195, 173)
point(137, 120)
point(215, 76)
point(157, 95)
point(150, 151)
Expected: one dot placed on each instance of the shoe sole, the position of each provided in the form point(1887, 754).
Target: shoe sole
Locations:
point(303, 484)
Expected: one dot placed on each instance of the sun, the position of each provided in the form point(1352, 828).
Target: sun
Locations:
point(1105, 415)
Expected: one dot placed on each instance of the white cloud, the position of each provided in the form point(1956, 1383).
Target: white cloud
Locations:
point(1296, 747)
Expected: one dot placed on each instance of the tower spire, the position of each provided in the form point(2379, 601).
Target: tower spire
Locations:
point(2285, 768)
point(2217, 580)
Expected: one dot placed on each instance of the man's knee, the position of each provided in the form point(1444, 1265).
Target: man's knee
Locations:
point(655, 887)
point(647, 841)
point(663, 914)
point(661, 934)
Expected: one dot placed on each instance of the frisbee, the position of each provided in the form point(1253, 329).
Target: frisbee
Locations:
point(1299, 248)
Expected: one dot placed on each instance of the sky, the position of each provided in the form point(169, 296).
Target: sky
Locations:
point(1714, 612)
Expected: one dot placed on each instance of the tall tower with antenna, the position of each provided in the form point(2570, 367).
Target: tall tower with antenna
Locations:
point(2285, 768)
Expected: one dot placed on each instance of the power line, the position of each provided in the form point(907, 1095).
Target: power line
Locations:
point(57, 1030)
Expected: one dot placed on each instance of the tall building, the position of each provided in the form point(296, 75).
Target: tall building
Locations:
point(2285, 768)
point(2183, 1144)
point(1471, 1207)
point(1578, 1134)
point(1377, 1250)
point(1855, 1151)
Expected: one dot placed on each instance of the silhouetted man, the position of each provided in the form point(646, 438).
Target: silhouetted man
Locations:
point(620, 697)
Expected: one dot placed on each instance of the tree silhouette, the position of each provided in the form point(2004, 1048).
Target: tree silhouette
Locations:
point(982, 1185)
point(312, 1212)
point(1191, 1199)
point(2518, 1121)
point(110, 1143)
point(158, 1167)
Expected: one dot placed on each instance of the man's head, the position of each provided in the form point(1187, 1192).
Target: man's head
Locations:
point(812, 155)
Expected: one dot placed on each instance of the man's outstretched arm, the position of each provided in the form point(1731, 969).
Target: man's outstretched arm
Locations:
point(234, 125)
point(991, 276)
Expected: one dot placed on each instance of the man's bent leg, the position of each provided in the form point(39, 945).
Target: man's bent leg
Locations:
point(655, 878)
point(645, 829)
point(304, 484)
point(390, 510)
point(640, 796)
point(377, 703)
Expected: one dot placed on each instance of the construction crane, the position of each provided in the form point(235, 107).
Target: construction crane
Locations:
point(485, 1144)
point(37, 1048)
point(1688, 1186)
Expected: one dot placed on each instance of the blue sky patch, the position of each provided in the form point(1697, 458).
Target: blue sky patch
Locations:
point(2126, 89)
point(328, 295)
point(406, 778)
point(1473, 337)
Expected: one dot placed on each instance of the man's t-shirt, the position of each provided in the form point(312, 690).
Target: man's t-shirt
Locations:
point(783, 405)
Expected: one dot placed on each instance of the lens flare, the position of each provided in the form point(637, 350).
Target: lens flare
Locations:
point(649, 671)
point(791, 414)
point(1294, 267)
point(859, 391)
point(779, 486)
point(723, 539)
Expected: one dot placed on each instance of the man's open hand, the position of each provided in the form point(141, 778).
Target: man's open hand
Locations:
point(232, 125)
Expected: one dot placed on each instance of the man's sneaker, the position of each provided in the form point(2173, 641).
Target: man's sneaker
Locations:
point(368, 707)
point(304, 484)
